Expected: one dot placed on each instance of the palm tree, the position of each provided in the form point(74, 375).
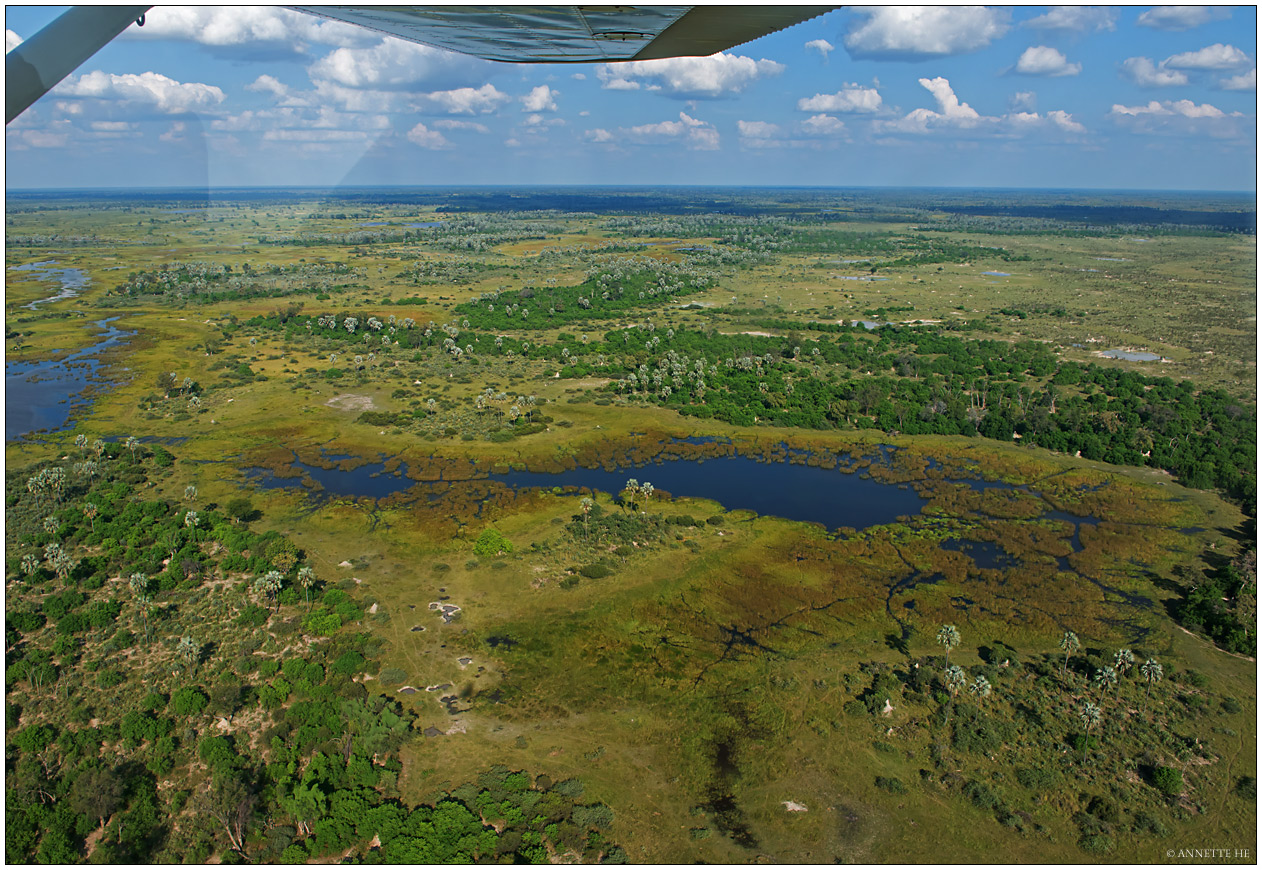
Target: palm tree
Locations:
point(1123, 660)
point(90, 511)
point(189, 650)
point(1151, 672)
point(190, 492)
point(269, 584)
point(949, 637)
point(1070, 644)
point(131, 444)
point(955, 679)
point(585, 505)
point(1106, 677)
point(30, 563)
point(646, 490)
point(632, 488)
point(980, 687)
point(140, 587)
point(1090, 716)
point(306, 579)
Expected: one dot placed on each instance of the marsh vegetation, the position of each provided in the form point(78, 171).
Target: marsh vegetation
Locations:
point(588, 525)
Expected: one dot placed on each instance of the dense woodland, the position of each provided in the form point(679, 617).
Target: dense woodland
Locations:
point(179, 686)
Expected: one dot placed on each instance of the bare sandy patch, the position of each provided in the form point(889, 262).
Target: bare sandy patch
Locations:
point(350, 402)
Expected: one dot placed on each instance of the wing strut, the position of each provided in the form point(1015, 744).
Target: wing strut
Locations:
point(37, 65)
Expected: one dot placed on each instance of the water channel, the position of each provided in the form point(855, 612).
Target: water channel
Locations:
point(44, 394)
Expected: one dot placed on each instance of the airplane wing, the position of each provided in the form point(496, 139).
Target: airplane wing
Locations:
point(574, 34)
point(513, 34)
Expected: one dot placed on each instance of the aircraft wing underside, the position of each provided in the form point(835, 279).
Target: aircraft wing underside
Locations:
point(515, 34)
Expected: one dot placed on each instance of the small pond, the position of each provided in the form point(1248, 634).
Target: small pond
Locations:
point(39, 395)
point(998, 274)
point(1132, 356)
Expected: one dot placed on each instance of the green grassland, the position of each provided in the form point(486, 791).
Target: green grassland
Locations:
point(703, 672)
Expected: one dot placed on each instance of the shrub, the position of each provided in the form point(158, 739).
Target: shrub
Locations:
point(1246, 788)
point(595, 572)
point(492, 543)
point(188, 701)
point(1168, 780)
point(891, 784)
point(593, 816)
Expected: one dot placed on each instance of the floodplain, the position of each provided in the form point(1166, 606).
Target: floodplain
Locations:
point(666, 498)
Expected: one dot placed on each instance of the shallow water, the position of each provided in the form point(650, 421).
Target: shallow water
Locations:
point(1133, 356)
point(71, 280)
point(40, 395)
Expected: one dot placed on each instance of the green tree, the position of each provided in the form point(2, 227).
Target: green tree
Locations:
point(140, 588)
point(1151, 672)
point(1106, 678)
point(948, 637)
point(585, 505)
point(189, 650)
point(1090, 717)
point(1123, 660)
point(269, 584)
point(97, 793)
point(980, 687)
point(306, 579)
point(1070, 644)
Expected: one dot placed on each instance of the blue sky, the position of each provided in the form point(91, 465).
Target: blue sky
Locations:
point(1152, 98)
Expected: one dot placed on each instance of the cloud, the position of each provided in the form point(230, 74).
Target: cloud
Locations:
point(392, 65)
point(1040, 60)
point(149, 88)
point(315, 136)
point(1143, 72)
point(1185, 108)
point(1183, 117)
point(718, 75)
point(757, 129)
point(921, 32)
point(449, 124)
point(1216, 56)
point(1074, 19)
point(958, 117)
point(822, 125)
point(11, 40)
point(1023, 100)
point(1178, 18)
point(579, 77)
point(695, 134)
point(467, 101)
point(851, 98)
point(540, 99)
point(537, 120)
point(823, 46)
point(21, 139)
point(1243, 82)
point(266, 84)
point(232, 26)
point(427, 138)
point(175, 133)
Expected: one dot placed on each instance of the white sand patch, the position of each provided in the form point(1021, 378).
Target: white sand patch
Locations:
point(350, 402)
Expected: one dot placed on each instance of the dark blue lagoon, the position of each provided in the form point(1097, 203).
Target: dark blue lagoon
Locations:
point(39, 395)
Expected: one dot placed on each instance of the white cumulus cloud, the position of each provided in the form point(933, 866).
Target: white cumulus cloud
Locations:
point(1042, 60)
point(1075, 19)
point(823, 46)
point(918, 32)
point(227, 26)
point(1023, 100)
point(1143, 72)
point(758, 129)
point(1243, 82)
point(1216, 57)
point(823, 125)
point(540, 99)
point(598, 135)
point(696, 135)
point(451, 124)
point(1185, 108)
point(467, 101)
point(714, 76)
point(851, 98)
point(1179, 18)
point(1184, 117)
point(392, 65)
point(427, 138)
point(266, 84)
point(149, 88)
